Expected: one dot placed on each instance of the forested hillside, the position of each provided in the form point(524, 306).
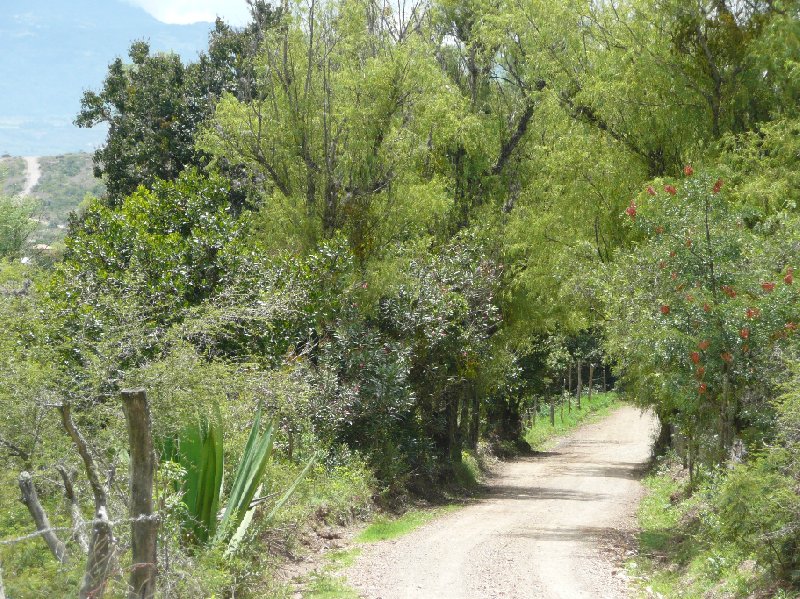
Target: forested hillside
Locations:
point(355, 242)
point(65, 182)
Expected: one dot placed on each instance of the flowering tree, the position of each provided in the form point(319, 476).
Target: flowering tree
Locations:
point(700, 307)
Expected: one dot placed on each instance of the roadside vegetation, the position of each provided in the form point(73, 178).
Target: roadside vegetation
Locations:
point(540, 432)
point(351, 245)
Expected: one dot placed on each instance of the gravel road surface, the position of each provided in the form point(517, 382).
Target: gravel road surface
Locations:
point(540, 532)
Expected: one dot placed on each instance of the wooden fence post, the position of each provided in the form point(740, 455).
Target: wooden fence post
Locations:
point(144, 526)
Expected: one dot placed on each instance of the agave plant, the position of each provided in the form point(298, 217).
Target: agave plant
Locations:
point(199, 451)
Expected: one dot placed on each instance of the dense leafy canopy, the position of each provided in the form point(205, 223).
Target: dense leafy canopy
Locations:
point(397, 230)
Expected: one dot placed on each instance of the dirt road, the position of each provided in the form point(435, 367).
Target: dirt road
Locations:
point(538, 534)
point(32, 174)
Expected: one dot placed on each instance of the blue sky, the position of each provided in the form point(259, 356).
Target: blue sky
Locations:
point(56, 49)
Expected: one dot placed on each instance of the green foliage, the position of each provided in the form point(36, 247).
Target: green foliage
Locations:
point(699, 308)
point(198, 450)
point(16, 225)
point(248, 476)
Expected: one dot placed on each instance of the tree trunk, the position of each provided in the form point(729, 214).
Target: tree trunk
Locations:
point(475, 425)
point(453, 440)
point(591, 382)
point(552, 410)
point(605, 387)
point(2, 586)
point(102, 547)
point(579, 390)
point(144, 526)
point(31, 501)
point(78, 523)
point(569, 377)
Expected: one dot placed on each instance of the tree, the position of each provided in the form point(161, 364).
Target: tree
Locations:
point(698, 309)
point(155, 104)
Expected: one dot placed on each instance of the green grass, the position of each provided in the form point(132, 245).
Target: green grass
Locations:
point(541, 434)
point(679, 556)
point(326, 584)
point(383, 528)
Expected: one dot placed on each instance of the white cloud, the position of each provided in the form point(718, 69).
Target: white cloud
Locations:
point(183, 12)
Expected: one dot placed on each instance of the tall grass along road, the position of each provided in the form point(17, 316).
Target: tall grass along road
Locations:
point(539, 533)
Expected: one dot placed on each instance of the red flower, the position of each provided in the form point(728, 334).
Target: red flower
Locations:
point(695, 357)
point(659, 229)
point(744, 333)
point(688, 170)
point(706, 307)
point(726, 357)
point(729, 291)
point(672, 254)
point(701, 371)
point(631, 210)
point(670, 189)
point(717, 186)
point(789, 278)
point(753, 313)
point(704, 344)
point(688, 242)
point(768, 286)
point(650, 190)
point(702, 388)
point(790, 326)
point(664, 309)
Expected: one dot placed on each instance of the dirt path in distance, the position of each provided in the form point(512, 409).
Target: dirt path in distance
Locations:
point(33, 173)
point(538, 534)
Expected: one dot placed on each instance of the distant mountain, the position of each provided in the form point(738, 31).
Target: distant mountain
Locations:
point(53, 50)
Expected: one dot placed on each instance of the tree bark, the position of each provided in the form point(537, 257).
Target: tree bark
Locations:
point(569, 377)
point(78, 523)
point(475, 425)
point(144, 526)
point(31, 501)
point(552, 410)
point(591, 381)
point(579, 390)
point(453, 445)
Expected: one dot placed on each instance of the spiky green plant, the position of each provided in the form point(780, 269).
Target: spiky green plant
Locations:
point(199, 451)
point(248, 477)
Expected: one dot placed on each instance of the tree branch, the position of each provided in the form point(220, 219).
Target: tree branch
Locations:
point(31, 501)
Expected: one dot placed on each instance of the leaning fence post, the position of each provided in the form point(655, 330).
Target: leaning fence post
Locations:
point(144, 526)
